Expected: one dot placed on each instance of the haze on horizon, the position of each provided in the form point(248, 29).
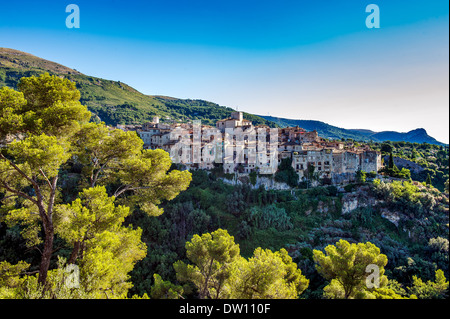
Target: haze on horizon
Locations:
point(291, 59)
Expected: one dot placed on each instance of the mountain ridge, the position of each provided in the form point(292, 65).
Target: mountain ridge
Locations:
point(115, 102)
point(325, 130)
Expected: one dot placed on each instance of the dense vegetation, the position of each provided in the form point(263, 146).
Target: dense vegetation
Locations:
point(77, 195)
point(53, 139)
point(422, 160)
point(301, 221)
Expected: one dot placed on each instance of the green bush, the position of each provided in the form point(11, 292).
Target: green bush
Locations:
point(269, 216)
point(286, 173)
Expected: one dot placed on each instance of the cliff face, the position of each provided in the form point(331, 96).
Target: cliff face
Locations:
point(265, 182)
point(353, 201)
point(413, 214)
point(401, 162)
point(358, 199)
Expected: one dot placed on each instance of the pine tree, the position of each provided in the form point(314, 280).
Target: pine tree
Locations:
point(428, 181)
point(220, 272)
point(345, 265)
point(51, 129)
point(391, 161)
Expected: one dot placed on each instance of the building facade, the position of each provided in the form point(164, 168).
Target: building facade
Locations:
point(241, 147)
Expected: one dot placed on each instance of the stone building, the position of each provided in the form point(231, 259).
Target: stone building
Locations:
point(236, 120)
point(243, 148)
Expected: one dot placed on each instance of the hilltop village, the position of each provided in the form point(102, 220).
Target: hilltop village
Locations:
point(243, 148)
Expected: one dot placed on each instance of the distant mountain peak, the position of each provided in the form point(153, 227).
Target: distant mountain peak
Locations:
point(418, 135)
point(418, 131)
point(115, 102)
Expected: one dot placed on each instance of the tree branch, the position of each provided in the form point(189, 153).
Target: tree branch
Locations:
point(129, 188)
point(35, 247)
point(94, 178)
point(125, 188)
point(51, 200)
point(10, 196)
point(46, 178)
point(18, 193)
point(19, 171)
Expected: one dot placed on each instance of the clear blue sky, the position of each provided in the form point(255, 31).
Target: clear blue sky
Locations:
point(295, 59)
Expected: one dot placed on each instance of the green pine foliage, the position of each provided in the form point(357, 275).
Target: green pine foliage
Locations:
point(286, 173)
point(52, 135)
point(137, 226)
point(421, 160)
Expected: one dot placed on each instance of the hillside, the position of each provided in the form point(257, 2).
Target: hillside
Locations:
point(18, 60)
point(143, 228)
point(114, 102)
point(325, 130)
point(333, 132)
point(300, 221)
point(419, 135)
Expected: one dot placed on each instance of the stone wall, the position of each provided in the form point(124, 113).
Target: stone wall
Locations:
point(343, 178)
point(401, 162)
point(266, 182)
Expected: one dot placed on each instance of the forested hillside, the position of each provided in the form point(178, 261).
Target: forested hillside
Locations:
point(75, 194)
point(302, 221)
point(333, 132)
point(426, 162)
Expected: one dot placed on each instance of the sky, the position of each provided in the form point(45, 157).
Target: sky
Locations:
point(303, 59)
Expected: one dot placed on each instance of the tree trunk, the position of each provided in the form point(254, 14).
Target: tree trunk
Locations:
point(46, 254)
point(47, 222)
point(74, 255)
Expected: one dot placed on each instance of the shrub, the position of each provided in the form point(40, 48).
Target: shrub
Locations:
point(270, 216)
